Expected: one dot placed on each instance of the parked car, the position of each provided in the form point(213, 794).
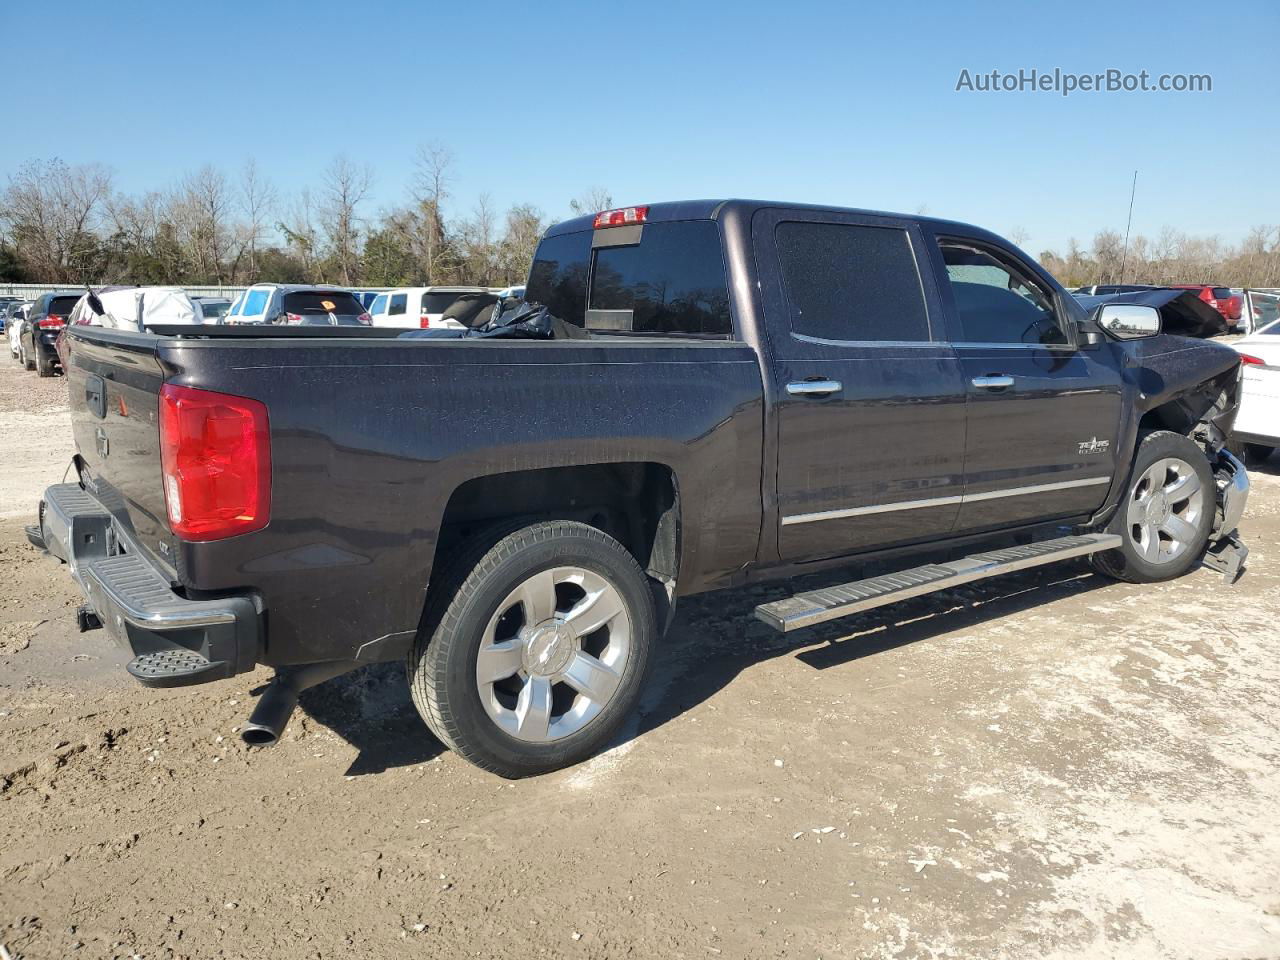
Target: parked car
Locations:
point(1181, 311)
point(136, 308)
point(1256, 433)
point(366, 297)
point(212, 309)
point(1263, 308)
point(1220, 298)
point(1103, 289)
point(297, 304)
point(15, 314)
point(735, 392)
point(5, 303)
point(38, 340)
point(419, 307)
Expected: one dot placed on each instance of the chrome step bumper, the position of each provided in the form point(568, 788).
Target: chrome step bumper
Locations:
point(831, 603)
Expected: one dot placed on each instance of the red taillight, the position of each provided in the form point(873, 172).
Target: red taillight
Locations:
point(1251, 361)
point(292, 318)
point(621, 217)
point(424, 321)
point(51, 322)
point(365, 320)
point(215, 454)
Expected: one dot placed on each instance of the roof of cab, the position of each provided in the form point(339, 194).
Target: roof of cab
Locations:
point(715, 209)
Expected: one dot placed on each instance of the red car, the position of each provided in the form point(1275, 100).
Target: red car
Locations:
point(1220, 298)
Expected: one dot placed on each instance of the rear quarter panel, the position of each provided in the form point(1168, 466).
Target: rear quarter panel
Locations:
point(370, 438)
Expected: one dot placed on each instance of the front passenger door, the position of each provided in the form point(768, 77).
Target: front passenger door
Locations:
point(1044, 412)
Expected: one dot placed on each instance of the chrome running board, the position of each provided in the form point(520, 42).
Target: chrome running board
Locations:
point(831, 603)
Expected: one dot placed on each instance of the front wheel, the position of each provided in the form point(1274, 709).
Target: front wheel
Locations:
point(536, 650)
point(1166, 516)
point(25, 360)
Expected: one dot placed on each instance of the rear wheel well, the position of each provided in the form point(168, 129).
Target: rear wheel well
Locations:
point(638, 504)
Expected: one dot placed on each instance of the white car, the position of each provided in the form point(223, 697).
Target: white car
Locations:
point(13, 327)
point(419, 307)
point(1257, 426)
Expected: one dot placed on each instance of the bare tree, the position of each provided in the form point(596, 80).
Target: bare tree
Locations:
point(346, 186)
point(301, 235)
point(257, 200)
point(593, 200)
point(203, 205)
point(432, 178)
point(523, 230)
point(478, 247)
point(51, 210)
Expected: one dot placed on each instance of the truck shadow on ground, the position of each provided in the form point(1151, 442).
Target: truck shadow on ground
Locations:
point(708, 652)
point(713, 639)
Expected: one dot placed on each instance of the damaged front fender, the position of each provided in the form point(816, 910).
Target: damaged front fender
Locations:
point(1191, 387)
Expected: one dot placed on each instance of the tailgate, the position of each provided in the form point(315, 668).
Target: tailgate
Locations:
point(114, 379)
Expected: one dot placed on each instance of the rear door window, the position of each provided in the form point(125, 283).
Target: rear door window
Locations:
point(379, 305)
point(399, 304)
point(852, 283)
point(671, 282)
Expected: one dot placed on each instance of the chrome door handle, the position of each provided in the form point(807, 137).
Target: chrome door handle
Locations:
point(803, 388)
point(992, 383)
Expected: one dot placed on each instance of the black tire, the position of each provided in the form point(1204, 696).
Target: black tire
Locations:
point(44, 366)
point(1126, 562)
point(27, 362)
point(1257, 452)
point(442, 665)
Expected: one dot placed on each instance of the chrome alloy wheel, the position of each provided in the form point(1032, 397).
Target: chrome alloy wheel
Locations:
point(553, 654)
point(1165, 510)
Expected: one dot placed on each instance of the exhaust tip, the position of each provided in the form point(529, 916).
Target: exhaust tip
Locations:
point(258, 736)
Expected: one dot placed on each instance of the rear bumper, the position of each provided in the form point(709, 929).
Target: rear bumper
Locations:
point(175, 640)
point(47, 343)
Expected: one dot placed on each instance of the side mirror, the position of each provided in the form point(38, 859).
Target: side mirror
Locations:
point(1128, 321)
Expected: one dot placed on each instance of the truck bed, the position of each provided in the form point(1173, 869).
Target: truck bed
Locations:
point(371, 434)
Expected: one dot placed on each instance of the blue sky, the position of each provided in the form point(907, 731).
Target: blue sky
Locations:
point(820, 102)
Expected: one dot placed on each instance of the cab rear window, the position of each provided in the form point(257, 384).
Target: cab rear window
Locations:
point(670, 283)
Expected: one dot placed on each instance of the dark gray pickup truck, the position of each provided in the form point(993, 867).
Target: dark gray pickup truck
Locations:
point(751, 391)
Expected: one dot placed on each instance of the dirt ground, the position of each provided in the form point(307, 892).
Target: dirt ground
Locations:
point(1048, 765)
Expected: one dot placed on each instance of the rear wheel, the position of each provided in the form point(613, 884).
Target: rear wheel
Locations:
point(44, 365)
point(1166, 515)
point(536, 651)
point(1258, 453)
point(25, 359)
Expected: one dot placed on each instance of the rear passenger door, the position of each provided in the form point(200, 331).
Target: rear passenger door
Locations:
point(870, 403)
